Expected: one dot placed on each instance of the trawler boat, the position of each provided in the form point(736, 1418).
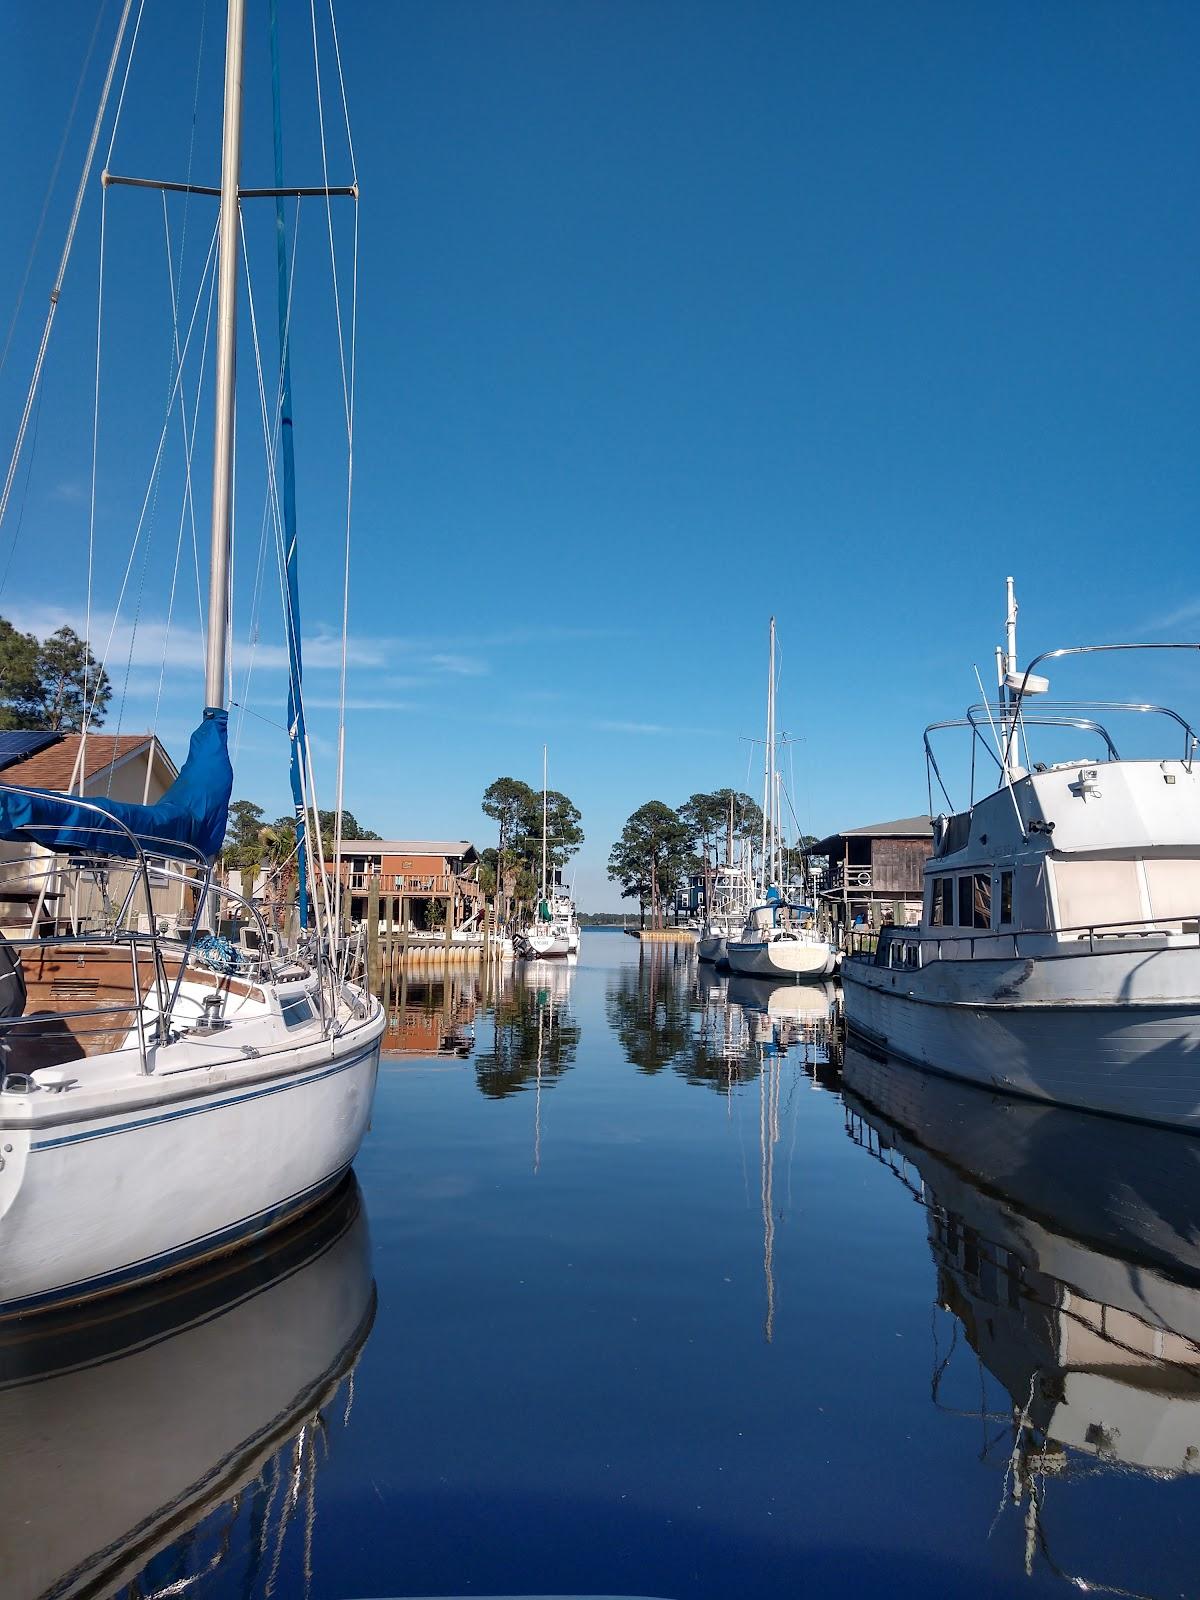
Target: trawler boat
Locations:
point(1066, 1247)
point(164, 1097)
point(1056, 955)
point(780, 940)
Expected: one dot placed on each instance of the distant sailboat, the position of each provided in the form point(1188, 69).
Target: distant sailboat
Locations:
point(554, 930)
point(780, 937)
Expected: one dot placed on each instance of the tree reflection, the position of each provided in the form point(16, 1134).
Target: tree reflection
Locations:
point(534, 1038)
point(709, 1028)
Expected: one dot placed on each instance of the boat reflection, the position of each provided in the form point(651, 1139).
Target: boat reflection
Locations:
point(716, 1029)
point(1067, 1249)
point(432, 1016)
point(534, 1037)
point(146, 1440)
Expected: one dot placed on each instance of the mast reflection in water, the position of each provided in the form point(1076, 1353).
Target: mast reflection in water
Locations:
point(145, 1439)
point(1067, 1256)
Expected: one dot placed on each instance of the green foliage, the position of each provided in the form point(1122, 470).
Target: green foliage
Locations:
point(518, 810)
point(652, 855)
point(707, 820)
point(351, 828)
point(42, 683)
point(243, 848)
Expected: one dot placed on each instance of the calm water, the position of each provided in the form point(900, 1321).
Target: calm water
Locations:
point(639, 1294)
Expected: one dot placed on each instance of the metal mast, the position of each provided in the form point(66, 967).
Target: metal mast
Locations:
point(766, 808)
point(227, 291)
point(544, 770)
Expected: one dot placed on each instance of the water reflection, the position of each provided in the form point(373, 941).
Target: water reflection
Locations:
point(533, 1034)
point(669, 1012)
point(146, 1438)
point(432, 1016)
point(1067, 1256)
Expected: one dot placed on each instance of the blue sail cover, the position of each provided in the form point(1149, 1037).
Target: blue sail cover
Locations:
point(190, 817)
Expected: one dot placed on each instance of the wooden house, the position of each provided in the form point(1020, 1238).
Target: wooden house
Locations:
point(418, 872)
point(875, 872)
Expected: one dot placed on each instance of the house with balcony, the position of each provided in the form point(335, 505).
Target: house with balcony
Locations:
point(413, 872)
point(874, 872)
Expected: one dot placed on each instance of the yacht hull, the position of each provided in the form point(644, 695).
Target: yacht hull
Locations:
point(711, 947)
point(780, 958)
point(96, 1199)
point(1138, 1059)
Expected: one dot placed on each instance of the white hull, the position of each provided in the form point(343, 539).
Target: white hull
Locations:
point(170, 1170)
point(547, 946)
point(711, 947)
point(1136, 1058)
point(127, 1432)
point(781, 958)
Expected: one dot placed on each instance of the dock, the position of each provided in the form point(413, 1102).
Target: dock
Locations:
point(663, 935)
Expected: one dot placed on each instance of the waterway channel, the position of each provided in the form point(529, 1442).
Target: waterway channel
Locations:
point(646, 1288)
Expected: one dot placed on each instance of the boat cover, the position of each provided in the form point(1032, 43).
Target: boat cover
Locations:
point(190, 817)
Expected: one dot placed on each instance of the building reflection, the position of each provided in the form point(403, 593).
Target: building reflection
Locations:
point(532, 1037)
point(1067, 1256)
point(156, 1435)
point(432, 1016)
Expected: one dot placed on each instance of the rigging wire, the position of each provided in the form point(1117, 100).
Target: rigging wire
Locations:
point(56, 291)
point(348, 402)
point(162, 438)
point(50, 187)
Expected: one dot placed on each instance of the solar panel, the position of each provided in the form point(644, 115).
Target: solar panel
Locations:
point(17, 743)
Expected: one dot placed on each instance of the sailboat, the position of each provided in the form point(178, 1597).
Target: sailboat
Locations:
point(780, 937)
point(727, 903)
point(554, 930)
point(162, 1096)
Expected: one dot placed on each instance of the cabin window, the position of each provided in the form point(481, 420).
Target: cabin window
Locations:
point(296, 1012)
point(941, 902)
point(1092, 894)
point(1174, 889)
point(1006, 899)
point(981, 900)
point(975, 900)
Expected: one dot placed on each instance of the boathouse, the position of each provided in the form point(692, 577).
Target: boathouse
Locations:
point(875, 872)
point(419, 872)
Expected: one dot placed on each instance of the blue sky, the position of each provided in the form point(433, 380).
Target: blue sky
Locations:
point(671, 316)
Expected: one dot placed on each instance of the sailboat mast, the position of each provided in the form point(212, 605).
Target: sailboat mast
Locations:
point(766, 806)
point(771, 762)
point(543, 822)
point(226, 366)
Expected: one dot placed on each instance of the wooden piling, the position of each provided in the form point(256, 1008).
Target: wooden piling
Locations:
point(373, 935)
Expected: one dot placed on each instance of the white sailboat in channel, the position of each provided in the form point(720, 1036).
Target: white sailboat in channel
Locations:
point(163, 1098)
point(554, 930)
point(780, 937)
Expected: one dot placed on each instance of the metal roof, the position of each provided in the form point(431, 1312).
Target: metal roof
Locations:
point(902, 828)
point(401, 847)
point(17, 743)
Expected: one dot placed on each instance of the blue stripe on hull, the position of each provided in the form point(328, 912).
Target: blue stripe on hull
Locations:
point(182, 1255)
point(199, 1110)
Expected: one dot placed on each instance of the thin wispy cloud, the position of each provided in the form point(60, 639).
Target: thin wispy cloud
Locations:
point(1187, 615)
point(459, 666)
point(615, 725)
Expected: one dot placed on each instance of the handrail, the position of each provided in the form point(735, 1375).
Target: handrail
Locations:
point(1134, 926)
point(1014, 711)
